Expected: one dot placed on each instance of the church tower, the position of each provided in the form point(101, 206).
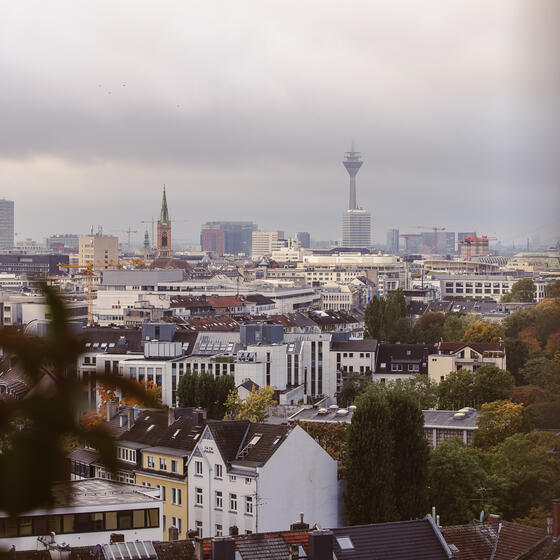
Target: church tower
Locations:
point(164, 230)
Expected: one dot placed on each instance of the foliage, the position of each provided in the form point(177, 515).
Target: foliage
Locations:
point(429, 328)
point(543, 372)
point(492, 384)
point(553, 343)
point(544, 415)
point(410, 456)
point(456, 390)
point(529, 394)
point(455, 326)
point(455, 482)
point(254, 407)
point(369, 467)
point(517, 354)
point(420, 387)
point(91, 419)
point(352, 386)
point(497, 421)
point(203, 390)
point(518, 321)
point(331, 436)
point(528, 336)
point(523, 291)
point(153, 393)
point(553, 289)
point(520, 476)
point(537, 517)
point(483, 331)
point(35, 430)
point(385, 318)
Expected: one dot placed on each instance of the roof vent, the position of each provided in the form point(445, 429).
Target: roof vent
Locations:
point(322, 411)
point(342, 412)
point(352, 407)
point(459, 415)
point(333, 407)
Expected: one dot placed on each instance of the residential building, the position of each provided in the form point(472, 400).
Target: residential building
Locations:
point(86, 513)
point(451, 356)
point(99, 251)
point(6, 224)
point(237, 236)
point(265, 242)
point(247, 478)
point(164, 230)
point(399, 361)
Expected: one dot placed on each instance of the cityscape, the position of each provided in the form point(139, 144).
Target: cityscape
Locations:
point(180, 379)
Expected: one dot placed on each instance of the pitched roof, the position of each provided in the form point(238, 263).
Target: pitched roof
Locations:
point(452, 347)
point(149, 428)
point(219, 302)
point(112, 335)
point(259, 299)
point(228, 435)
point(476, 542)
point(365, 345)
point(411, 352)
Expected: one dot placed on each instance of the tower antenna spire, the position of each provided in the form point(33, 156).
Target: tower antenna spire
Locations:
point(352, 163)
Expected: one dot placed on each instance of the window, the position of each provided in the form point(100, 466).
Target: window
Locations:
point(198, 528)
point(249, 504)
point(176, 496)
point(233, 502)
point(198, 468)
point(247, 481)
point(151, 462)
point(162, 464)
point(232, 478)
point(198, 496)
point(176, 522)
point(219, 530)
point(219, 501)
point(174, 466)
point(218, 471)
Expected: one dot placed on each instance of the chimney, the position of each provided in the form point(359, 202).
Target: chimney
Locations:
point(320, 545)
point(111, 409)
point(123, 420)
point(116, 537)
point(173, 533)
point(299, 525)
point(555, 520)
point(131, 417)
point(136, 412)
point(223, 548)
point(198, 549)
point(494, 518)
point(170, 416)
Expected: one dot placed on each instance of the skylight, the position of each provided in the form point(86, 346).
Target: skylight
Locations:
point(344, 543)
point(176, 433)
point(151, 427)
point(255, 439)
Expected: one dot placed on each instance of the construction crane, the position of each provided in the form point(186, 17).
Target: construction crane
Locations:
point(128, 231)
point(406, 237)
point(435, 229)
point(88, 271)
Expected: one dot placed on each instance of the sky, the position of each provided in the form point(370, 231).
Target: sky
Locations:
point(244, 111)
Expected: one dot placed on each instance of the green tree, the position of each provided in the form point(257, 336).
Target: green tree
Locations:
point(523, 290)
point(483, 331)
point(544, 415)
point(517, 354)
point(421, 388)
point(410, 456)
point(497, 421)
point(455, 482)
point(254, 407)
point(518, 321)
point(455, 325)
point(492, 384)
point(542, 372)
point(373, 318)
point(456, 390)
point(385, 318)
point(429, 328)
point(553, 289)
point(352, 386)
point(369, 466)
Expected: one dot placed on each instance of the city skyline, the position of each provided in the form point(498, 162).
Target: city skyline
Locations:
point(453, 108)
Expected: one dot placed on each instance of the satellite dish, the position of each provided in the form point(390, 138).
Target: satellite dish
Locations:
point(481, 516)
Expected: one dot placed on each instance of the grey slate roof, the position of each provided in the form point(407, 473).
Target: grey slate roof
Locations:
point(365, 345)
point(447, 419)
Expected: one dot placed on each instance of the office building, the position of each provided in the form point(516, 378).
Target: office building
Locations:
point(264, 242)
point(63, 242)
point(304, 239)
point(100, 251)
point(237, 237)
point(6, 224)
point(27, 264)
point(393, 241)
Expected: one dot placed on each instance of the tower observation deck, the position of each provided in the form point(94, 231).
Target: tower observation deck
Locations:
point(352, 162)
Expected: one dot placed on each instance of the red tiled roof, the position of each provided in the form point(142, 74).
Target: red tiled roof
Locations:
point(219, 302)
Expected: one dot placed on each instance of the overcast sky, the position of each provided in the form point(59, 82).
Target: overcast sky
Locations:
point(244, 109)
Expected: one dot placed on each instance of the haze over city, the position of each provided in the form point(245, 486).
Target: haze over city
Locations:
point(244, 111)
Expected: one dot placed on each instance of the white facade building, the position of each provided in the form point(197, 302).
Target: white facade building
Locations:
point(258, 477)
point(356, 228)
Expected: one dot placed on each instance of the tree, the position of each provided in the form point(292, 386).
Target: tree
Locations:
point(553, 289)
point(153, 392)
point(517, 354)
point(385, 318)
point(373, 318)
point(455, 482)
point(34, 430)
point(497, 421)
point(421, 388)
point(429, 328)
point(547, 319)
point(519, 320)
point(544, 415)
point(456, 390)
point(542, 372)
point(523, 291)
point(492, 384)
point(529, 394)
point(528, 336)
point(455, 325)
point(483, 331)
point(369, 466)
point(410, 456)
point(553, 343)
point(254, 407)
point(352, 386)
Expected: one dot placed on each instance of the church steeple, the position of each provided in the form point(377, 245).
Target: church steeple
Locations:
point(164, 214)
point(164, 230)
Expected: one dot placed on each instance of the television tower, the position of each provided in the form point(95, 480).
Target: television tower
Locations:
point(353, 162)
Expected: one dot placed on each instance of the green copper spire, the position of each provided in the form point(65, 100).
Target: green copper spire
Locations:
point(164, 214)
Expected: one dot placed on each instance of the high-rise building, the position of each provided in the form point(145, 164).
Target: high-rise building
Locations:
point(356, 228)
point(6, 224)
point(213, 240)
point(356, 223)
point(100, 251)
point(304, 239)
point(164, 230)
point(393, 241)
point(237, 236)
point(264, 242)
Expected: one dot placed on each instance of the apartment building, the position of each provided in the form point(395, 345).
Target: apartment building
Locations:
point(99, 251)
